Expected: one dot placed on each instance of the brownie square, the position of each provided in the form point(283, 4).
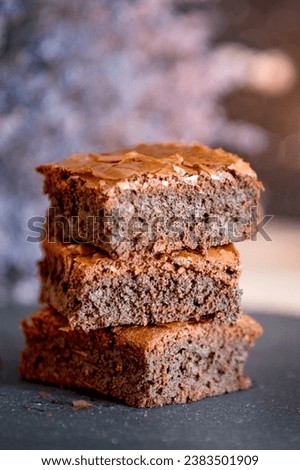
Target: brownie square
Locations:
point(156, 198)
point(93, 290)
point(141, 366)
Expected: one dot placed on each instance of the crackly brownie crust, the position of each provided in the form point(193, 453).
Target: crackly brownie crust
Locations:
point(93, 290)
point(158, 198)
point(141, 366)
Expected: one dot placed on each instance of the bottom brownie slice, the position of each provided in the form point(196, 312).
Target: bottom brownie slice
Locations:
point(143, 366)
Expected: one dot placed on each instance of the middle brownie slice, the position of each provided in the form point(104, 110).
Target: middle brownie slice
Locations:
point(93, 291)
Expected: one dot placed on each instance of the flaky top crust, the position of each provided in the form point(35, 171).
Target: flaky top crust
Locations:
point(150, 159)
point(47, 322)
point(226, 254)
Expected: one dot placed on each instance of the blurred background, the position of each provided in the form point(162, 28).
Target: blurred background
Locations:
point(94, 75)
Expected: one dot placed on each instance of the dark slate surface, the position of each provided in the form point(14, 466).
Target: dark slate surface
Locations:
point(265, 417)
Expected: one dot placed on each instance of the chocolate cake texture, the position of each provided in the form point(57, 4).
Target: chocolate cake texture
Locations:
point(141, 366)
point(154, 198)
point(93, 290)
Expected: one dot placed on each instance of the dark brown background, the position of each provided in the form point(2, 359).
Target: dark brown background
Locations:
point(271, 24)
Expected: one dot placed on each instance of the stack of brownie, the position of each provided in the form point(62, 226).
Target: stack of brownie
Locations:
point(140, 277)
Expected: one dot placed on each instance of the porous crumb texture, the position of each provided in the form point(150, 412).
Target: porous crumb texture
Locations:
point(159, 202)
point(94, 291)
point(141, 366)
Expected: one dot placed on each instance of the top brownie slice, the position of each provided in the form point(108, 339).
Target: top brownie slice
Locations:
point(152, 197)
